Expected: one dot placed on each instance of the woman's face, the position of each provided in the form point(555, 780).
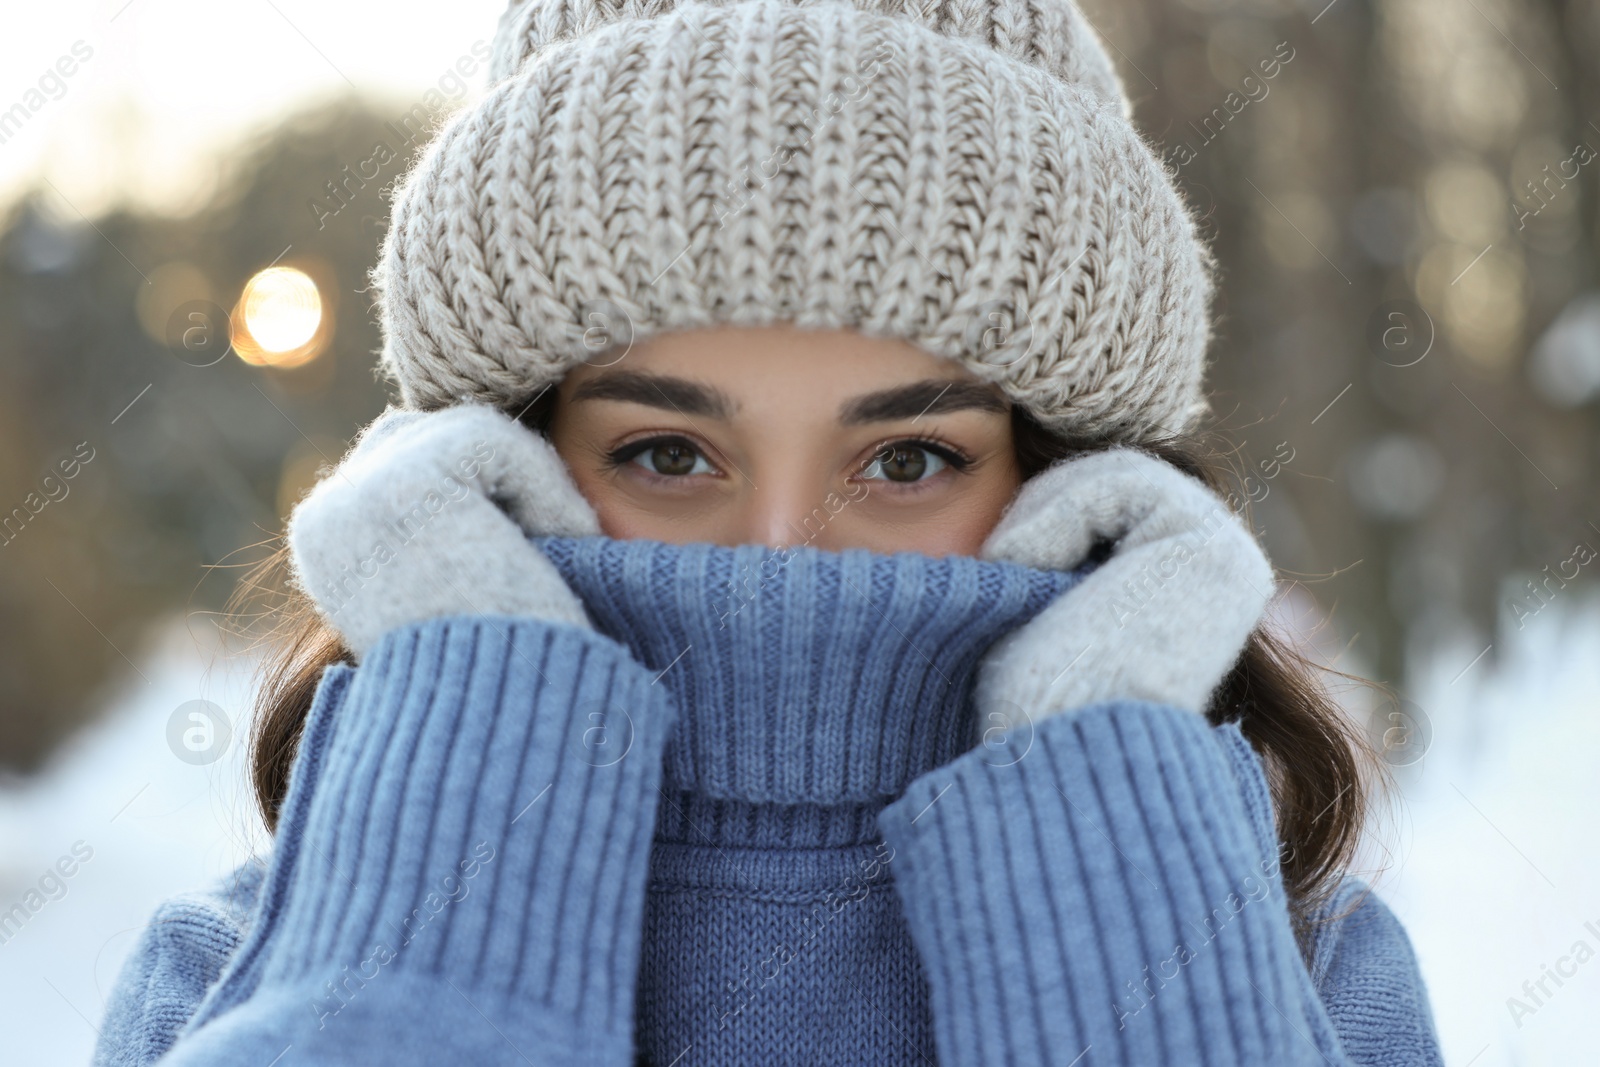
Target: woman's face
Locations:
point(781, 436)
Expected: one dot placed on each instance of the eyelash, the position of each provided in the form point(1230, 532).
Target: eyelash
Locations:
point(627, 452)
point(958, 460)
point(953, 456)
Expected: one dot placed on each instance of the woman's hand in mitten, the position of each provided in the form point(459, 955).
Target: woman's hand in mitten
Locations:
point(430, 515)
point(1163, 619)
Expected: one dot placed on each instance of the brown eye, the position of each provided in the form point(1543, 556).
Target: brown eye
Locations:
point(673, 458)
point(903, 463)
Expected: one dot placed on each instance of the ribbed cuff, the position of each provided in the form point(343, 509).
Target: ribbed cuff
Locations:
point(462, 862)
point(1108, 890)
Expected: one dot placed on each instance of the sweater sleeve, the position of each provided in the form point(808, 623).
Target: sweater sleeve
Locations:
point(459, 867)
point(1116, 889)
point(1370, 983)
point(180, 956)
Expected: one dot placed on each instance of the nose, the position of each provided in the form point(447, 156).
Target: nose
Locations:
point(786, 513)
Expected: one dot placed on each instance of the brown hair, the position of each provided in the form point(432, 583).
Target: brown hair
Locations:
point(1321, 771)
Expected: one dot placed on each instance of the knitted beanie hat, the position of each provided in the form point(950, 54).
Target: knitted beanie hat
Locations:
point(963, 176)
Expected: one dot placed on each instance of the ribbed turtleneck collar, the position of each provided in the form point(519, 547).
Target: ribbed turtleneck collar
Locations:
point(804, 676)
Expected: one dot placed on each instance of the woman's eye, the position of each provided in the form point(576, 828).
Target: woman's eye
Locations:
point(673, 458)
point(904, 463)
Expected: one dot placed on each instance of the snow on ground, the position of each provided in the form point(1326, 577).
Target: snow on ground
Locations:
point(1491, 857)
point(151, 824)
point(1496, 846)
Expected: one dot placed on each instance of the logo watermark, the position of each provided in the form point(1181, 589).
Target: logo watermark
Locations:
point(1538, 593)
point(198, 732)
point(1252, 90)
point(418, 121)
point(742, 590)
point(1400, 333)
point(50, 886)
point(51, 85)
point(855, 888)
point(1402, 733)
point(452, 888)
point(53, 489)
point(1145, 988)
point(1543, 191)
point(1536, 992)
point(200, 333)
point(602, 735)
point(406, 526)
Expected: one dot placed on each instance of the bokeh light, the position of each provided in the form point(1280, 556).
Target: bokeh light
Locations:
point(279, 320)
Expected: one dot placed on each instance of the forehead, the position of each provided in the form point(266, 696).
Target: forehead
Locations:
point(755, 361)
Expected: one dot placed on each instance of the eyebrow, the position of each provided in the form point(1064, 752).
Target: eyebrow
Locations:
point(909, 401)
point(658, 391)
point(915, 399)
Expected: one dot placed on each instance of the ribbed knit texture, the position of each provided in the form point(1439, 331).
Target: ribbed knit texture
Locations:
point(838, 876)
point(1114, 875)
point(1053, 36)
point(961, 177)
point(815, 687)
point(459, 849)
point(807, 677)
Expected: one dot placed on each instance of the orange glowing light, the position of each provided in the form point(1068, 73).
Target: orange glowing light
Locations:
point(279, 320)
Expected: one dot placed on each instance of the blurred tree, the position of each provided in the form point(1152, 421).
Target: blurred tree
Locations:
point(211, 451)
point(1362, 168)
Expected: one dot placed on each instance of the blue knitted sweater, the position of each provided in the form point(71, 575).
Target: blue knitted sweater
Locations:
point(751, 820)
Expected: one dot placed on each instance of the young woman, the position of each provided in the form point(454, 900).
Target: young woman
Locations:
point(848, 657)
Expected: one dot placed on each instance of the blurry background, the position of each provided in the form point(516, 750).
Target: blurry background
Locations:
point(1402, 196)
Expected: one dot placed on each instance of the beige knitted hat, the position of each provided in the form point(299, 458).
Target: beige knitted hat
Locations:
point(963, 176)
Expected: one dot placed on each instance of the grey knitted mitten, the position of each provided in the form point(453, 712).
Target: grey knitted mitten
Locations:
point(430, 515)
point(1163, 619)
